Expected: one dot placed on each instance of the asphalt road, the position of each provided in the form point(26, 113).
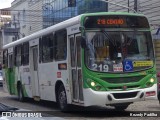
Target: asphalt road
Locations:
point(139, 110)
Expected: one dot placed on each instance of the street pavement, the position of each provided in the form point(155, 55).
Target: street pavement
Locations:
point(139, 110)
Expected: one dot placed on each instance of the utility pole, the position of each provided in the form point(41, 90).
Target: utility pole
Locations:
point(107, 6)
point(128, 6)
point(135, 5)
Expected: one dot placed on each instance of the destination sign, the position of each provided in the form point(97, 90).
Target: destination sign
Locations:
point(110, 21)
point(115, 21)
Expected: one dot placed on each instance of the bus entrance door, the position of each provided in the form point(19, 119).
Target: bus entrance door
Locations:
point(76, 69)
point(34, 73)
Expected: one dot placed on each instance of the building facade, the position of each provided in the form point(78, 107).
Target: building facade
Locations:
point(19, 18)
point(34, 14)
point(5, 20)
point(26, 16)
point(5, 16)
point(55, 11)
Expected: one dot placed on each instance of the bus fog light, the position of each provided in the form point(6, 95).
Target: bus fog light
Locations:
point(151, 80)
point(93, 84)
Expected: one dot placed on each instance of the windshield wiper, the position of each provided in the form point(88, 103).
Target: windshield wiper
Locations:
point(113, 41)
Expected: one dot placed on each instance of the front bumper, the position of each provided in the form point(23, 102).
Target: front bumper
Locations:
point(103, 98)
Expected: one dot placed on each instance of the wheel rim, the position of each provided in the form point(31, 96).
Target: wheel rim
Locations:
point(62, 99)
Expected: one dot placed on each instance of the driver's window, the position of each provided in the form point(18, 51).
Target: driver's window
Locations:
point(101, 47)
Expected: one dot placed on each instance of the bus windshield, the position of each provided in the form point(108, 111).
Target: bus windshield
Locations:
point(119, 51)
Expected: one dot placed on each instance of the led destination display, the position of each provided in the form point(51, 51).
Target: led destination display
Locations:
point(115, 21)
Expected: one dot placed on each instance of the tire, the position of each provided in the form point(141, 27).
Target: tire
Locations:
point(20, 94)
point(121, 107)
point(62, 99)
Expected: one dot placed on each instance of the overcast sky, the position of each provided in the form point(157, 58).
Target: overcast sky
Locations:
point(5, 3)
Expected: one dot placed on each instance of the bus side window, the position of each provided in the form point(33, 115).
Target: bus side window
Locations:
point(47, 48)
point(18, 55)
point(15, 53)
point(25, 54)
point(10, 62)
point(61, 45)
point(40, 50)
point(5, 58)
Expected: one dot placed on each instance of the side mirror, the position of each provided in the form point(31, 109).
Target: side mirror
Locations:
point(83, 42)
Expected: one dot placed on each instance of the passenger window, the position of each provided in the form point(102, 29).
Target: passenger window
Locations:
point(25, 54)
point(18, 55)
point(5, 58)
point(61, 45)
point(40, 50)
point(47, 48)
point(10, 58)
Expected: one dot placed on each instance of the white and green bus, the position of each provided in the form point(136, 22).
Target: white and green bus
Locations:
point(103, 58)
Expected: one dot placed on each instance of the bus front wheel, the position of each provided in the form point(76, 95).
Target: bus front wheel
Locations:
point(62, 99)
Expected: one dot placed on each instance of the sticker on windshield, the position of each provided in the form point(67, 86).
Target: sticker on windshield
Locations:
point(118, 67)
point(142, 63)
point(128, 66)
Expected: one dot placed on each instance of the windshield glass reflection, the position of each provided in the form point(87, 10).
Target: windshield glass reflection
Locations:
point(119, 51)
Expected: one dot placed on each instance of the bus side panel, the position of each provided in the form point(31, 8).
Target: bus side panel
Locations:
point(48, 76)
point(10, 80)
point(5, 81)
point(6, 86)
point(26, 81)
point(47, 80)
point(17, 77)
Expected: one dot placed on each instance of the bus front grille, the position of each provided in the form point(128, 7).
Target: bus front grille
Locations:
point(124, 95)
point(121, 87)
point(123, 79)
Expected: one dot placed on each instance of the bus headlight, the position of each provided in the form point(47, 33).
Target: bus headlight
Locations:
point(94, 85)
point(152, 80)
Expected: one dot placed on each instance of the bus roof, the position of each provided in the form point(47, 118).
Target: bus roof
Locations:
point(64, 24)
point(114, 13)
